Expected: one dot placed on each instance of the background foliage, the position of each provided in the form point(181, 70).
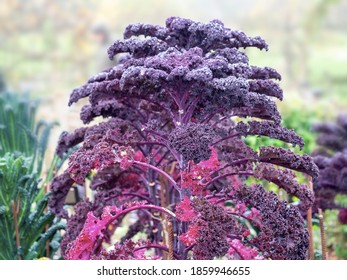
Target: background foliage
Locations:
point(28, 230)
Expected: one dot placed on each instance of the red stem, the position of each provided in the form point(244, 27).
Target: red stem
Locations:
point(162, 158)
point(138, 195)
point(228, 174)
point(171, 180)
point(150, 143)
point(156, 133)
point(225, 138)
point(157, 246)
point(138, 207)
point(235, 162)
point(242, 258)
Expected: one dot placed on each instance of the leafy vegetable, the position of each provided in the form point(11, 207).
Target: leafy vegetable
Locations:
point(178, 109)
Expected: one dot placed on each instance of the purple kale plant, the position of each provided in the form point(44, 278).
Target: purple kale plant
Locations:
point(331, 158)
point(171, 151)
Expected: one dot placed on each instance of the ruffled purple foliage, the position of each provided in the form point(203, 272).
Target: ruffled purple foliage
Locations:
point(331, 159)
point(177, 108)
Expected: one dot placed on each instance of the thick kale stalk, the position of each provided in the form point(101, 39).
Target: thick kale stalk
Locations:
point(177, 109)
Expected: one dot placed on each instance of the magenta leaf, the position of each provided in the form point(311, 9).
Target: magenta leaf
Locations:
point(82, 247)
point(184, 210)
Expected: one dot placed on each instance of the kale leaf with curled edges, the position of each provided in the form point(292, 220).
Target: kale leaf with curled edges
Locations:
point(177, 108)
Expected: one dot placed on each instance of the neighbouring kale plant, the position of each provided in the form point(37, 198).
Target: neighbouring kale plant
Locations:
point(331, 158)
point(171, 150)
point(28, 229)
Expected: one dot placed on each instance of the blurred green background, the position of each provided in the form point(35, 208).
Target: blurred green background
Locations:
point(49, 47)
